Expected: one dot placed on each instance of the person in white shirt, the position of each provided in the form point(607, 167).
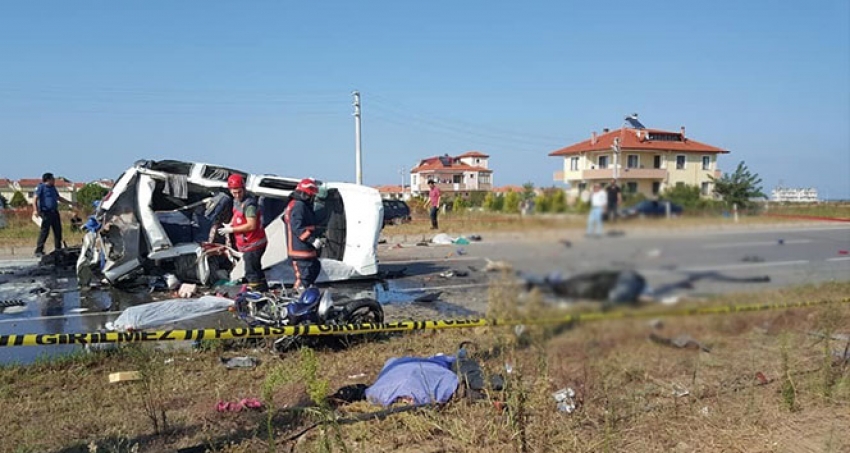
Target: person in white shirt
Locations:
point(598, 205)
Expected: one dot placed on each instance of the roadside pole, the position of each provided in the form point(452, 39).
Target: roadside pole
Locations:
point(357, 160)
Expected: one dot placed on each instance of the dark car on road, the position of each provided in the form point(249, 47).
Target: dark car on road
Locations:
point(396, 212)
point(651, 208)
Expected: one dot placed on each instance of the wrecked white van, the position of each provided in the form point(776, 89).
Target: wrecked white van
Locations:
point(160, 214)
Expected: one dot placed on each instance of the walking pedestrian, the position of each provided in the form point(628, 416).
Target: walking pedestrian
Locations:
point(434, 201)
point(598, 204)
point(615, 197)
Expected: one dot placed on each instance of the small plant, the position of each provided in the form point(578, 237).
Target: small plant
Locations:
point(151, 367)
point(317, 389)
point(789, 389)
point(274, 380)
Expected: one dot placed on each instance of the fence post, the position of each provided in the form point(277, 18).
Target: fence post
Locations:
point(735, 211)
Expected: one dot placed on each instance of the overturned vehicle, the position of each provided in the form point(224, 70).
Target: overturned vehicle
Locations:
point(160, 217)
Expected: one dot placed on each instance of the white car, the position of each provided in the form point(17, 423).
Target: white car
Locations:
point(159, 216)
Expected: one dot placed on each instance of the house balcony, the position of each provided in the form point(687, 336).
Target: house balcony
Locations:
point(458, 187)
point(625, 173)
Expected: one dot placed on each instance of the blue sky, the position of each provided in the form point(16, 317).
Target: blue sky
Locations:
point(87, 88)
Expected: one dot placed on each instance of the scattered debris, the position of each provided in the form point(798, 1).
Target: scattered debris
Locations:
point(429, 297)
point(496, 266)
point(239, 362)
point(442, 239)
point(187, 290)
point(460, 251)
point(844, 252)
point(704, 411)
point(670, 300)
point(752, 259)
point(653, 253)
point(171, 281)
point(566, 243)
point(382, 241)
point(681, 341)
point(349, 394)
point(461, 241)
point(781, 242)
point(612, 287)
point(123, 376)
point(243, 404)
point(762, 380)
point(422, 244)
point(357, 376)
point(656, 324)
point(451, 273)
point(12, 303)
point(680, 391)
point(393, 274)
point(565, 398)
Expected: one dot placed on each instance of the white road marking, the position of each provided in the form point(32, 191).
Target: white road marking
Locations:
point(444, 287)
point(840, 258)
point(734, 245)
point(434, 260)
point(721, 267)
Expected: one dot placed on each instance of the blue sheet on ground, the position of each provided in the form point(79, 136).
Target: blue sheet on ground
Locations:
point(424, 380)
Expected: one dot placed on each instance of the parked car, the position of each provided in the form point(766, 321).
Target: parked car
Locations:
point(396, 212)
point(159, 216)
point(651, 208)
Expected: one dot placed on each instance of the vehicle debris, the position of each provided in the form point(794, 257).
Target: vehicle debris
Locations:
point(496, 266)
point(239, 362)
point(682, 341)
point(429, 297)
point(565, 399)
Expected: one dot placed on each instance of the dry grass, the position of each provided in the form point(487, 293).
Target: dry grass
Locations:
point(20, 234)
point(626, 385)
point(483, 222)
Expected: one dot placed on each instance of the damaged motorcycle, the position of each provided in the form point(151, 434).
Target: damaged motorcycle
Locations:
point(313, 306)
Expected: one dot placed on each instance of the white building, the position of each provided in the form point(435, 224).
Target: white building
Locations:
point(794, 195)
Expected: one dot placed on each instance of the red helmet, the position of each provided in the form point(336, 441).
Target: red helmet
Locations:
point(308, 186)
point(235, 181)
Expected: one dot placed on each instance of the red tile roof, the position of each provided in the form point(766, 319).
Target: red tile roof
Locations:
point(472, 154)
point(34, 182)
point(389, 189)
point(629, 140)
point(433, 164)
point(29, 182)
point(509, 188)
point(4, 182)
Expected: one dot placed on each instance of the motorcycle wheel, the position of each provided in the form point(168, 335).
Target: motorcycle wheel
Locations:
point(361, 311)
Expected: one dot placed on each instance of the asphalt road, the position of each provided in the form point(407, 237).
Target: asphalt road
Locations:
point(680, 263)
point(675, 264)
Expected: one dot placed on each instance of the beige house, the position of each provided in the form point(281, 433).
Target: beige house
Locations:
point(642, 160)
point(462, 174)
point(67, 189)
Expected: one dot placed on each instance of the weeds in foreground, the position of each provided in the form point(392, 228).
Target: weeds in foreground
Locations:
point(151, 367)
point(789, 388)
point(276, 378)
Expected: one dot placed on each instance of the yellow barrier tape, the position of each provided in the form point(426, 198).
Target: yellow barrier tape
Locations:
point(353, 329)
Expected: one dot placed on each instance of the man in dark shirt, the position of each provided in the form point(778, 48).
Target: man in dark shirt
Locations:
point(46, 207)
point(615, 196)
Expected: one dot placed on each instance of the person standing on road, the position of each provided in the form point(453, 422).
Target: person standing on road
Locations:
point(615, 198)
point(46, 208)
point(598, 204)
point(303, 241)
point(434, 202)
point(247, 227)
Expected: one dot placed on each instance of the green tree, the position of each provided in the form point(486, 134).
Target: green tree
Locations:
point(18, 200)
point(739, 187)
point(527, 191)
point(476, 199)
point(458, 204)
point(683, 194)
point(542, 202)
point(493, 202)
point(512, 201)
point(558, 201)
point(90, 193)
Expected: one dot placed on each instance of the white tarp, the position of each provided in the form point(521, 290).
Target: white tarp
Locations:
point(155, 314)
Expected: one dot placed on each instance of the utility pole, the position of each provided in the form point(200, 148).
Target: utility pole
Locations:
point(401, 172)
point(616, 148)
point(358, 159)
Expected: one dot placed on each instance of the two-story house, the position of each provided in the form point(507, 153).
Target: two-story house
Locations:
point(462, 174)
point(641, 159)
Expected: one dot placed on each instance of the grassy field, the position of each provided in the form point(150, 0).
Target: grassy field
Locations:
point(20, 234)
point(767, 385)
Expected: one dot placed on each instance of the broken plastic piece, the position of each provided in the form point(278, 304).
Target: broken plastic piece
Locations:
point(239, 362)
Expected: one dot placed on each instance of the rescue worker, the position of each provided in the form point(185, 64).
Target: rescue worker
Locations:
point(303, 241)
point(247, 227)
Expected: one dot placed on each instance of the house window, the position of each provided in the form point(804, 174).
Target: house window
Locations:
point(706, 162)
point(633, 161)
point(574, 164)
point(603, 162)
point(582, 186)
point(656, 162)
point(656, 187)
point(483, 178)
point(705, 188)
point(477, 161)
point(680, 162)
point(631, 187)
point(457, 179)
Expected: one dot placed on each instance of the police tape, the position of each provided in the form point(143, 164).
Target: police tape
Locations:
point(367, 328)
